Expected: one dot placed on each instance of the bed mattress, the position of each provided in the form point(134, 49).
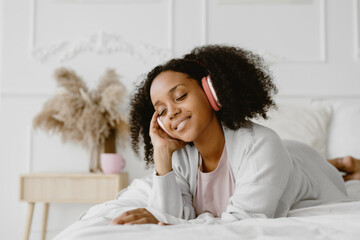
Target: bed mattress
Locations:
point(332, 221)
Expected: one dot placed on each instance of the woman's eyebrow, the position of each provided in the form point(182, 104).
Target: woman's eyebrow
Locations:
point(170, 91)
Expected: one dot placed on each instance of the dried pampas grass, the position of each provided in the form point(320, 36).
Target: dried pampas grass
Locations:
point(91, 118)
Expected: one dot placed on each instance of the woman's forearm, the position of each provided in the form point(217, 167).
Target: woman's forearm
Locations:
point(162, 161)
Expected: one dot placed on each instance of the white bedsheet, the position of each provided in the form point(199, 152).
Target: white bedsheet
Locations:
point(333, 221)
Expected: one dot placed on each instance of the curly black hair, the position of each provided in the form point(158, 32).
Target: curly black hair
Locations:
point(241, 79)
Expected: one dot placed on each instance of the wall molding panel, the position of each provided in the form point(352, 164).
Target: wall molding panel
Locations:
point(271, 57)
point(100, 42)
point(29, 149)
point(1, 54)
point(204, 22)
point(170, 29)
point(356, 25)
point(323, 31)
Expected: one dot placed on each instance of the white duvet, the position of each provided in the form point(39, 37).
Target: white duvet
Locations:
point(333, 221)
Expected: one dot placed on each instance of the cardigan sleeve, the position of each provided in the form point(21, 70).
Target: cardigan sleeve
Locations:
point(171, 193)
point(261, 180)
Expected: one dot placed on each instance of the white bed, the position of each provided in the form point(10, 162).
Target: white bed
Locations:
point(333, 221)
point(332, 128)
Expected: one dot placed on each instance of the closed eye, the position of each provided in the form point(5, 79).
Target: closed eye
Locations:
point(181, 98)
point(162, 112)
point(177, 99)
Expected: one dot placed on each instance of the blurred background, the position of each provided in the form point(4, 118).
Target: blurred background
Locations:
point(312, 46)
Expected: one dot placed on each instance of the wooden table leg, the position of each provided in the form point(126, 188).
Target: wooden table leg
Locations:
point(29, 220)
point(45, 218)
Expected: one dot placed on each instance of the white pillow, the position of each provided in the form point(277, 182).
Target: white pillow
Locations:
point(307, 123)
point(344, 129)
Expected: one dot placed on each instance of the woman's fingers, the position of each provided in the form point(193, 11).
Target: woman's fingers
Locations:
point(126, 216)
point(153, 122)
point(163, 224)
point(126, 219)
point(136, 216)
point(138, 221)
point(155, 128)
point(352, 176)
point(160, 139)
point(345, 164)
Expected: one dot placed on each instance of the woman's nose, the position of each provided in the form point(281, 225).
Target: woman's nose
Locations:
point(174, 113)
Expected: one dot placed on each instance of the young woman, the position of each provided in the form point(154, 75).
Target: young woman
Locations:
point(193, 116)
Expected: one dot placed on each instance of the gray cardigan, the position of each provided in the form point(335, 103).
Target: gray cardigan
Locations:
point(271, 177)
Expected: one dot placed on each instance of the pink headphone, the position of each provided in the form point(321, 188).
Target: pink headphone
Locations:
point(210, 93)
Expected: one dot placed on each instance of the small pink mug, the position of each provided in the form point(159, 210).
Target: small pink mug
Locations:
point(112, 163)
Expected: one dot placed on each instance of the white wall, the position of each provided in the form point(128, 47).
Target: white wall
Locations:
point(1, 54)
point(313, 45)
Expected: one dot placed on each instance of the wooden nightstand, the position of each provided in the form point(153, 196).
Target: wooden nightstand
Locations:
point(67, 188)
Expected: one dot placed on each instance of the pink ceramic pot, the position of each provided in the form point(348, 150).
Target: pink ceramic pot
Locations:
point(112, 163)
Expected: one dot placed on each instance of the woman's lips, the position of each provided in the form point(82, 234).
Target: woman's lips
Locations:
point(181, 125)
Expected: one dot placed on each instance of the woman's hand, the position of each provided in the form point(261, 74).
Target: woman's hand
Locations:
point(164, 146)
point(136, 216)
point(349, 165)
point(160, 139)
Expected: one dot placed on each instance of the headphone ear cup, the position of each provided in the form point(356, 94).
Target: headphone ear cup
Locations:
point(163, 127)
point(210, 93)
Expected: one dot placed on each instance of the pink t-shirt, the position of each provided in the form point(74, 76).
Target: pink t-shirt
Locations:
point(213, 189)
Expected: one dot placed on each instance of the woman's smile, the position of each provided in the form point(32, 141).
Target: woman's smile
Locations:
point(180, 125)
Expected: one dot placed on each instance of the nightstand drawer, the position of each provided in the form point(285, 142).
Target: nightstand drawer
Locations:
point(84, 188)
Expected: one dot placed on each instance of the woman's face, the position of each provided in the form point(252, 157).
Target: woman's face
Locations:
point(181, 104)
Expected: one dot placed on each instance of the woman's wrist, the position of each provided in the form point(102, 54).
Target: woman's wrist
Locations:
point(162, 161)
